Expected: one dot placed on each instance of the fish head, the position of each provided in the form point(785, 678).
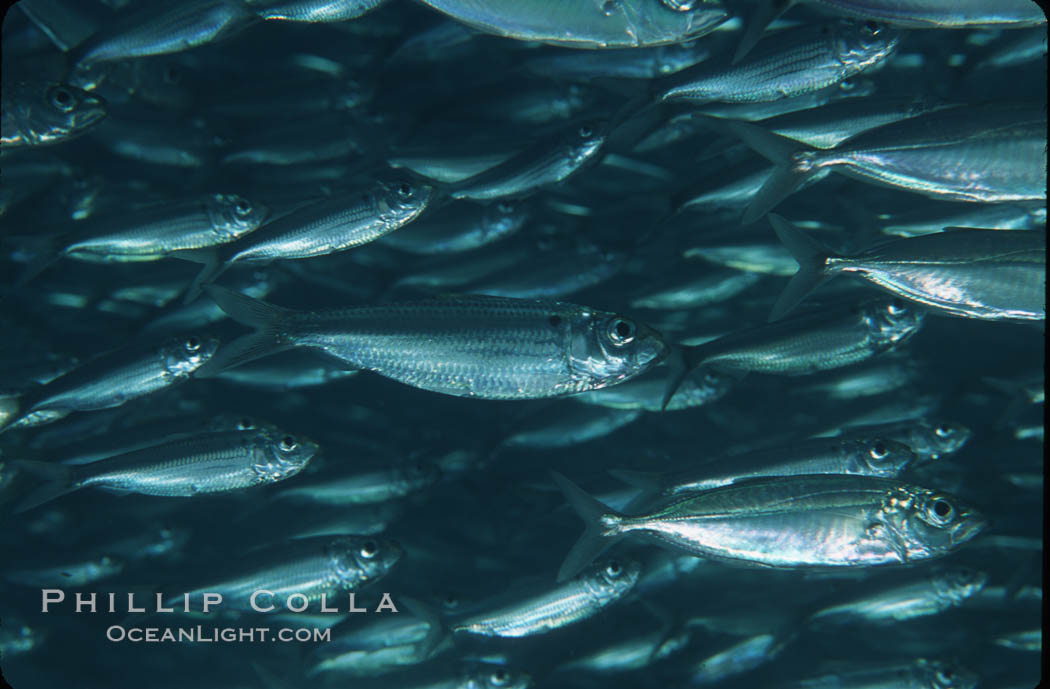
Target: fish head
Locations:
point(503, 218)
point(932, 523)
point(959, 583)
point(606, 348)
point(947, 437)
point(936, 674)
point(585, 139)
point(860, 45)
point(401, 200)
point(234, 216)
point(609, 579)
point(893, 321)
point(183, 357)
point(857, 87)
point(882, 457)
point(357, 560)
point(283, 455)
point(62, 109)
point(496, 677)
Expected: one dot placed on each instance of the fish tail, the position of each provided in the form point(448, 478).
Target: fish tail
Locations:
point(59, 480)
point(765, 13)
point(647, 482)
point(214, 266)
point(599, 525)
point(787, 177)
point(267, 339)
point(437, 630)
point(812, 258)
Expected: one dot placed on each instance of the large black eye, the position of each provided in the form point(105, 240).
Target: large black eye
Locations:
point(608, 7)
point(62, 99)
point(404, 190)
point(242, 207)
point(585, 132)
point(369, 550)
point(192, 344)
point(499, 678)
point(942, 431)
point(879, 451)
point(897, 307)
point(288, 443)
point(621, 331)
point(941, 510)
point(872, 28)
point(613, 569)
point(245, 424)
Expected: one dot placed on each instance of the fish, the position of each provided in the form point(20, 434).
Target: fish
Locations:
point(964, 272)
point(187, 466)
point(154, 232)
point(43, 113)
point(803, 61)
point(312, 10)
point(596, 25)
point(466, 346)
point(572, 601)
point(931, 594)
point(919, 673)
point(992, 153)
point(365, 487)
point(459, 227)
point(109, 380)
point(805, 521)
point(317, 229)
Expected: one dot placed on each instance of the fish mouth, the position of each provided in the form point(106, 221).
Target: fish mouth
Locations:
point(966, 531)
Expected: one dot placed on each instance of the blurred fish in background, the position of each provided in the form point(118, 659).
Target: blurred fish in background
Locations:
point(514, 343)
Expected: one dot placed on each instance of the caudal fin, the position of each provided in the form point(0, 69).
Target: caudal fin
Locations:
point(596, 538)
point(787, 177)
point(436, 628)
point(214, 266)
point(268, 339)
point(811, 257)
point(765, 13)
point(58, 480)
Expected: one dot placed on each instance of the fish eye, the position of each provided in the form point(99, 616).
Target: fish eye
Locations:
point(404, 190)
point(945, 677)
point(499, 678)
point(504, 207)
point(62, 99)
point(872, 28)
point(680, 5)
point(941, 511)
point(288, 443)
point(942, 431)
point(369, 550)
point(621, 331)
point(242, 207)
point(192, 344)
point(897, 307)
point(585, 131)
point(710, 378)
point(879, 451)
point(245, 424)
point(847, 85)
point(613, 569)
point(608, 7)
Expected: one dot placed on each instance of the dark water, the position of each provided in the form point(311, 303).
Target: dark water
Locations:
point(494, 526)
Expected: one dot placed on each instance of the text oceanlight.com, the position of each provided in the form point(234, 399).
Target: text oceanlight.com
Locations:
point(200, 634)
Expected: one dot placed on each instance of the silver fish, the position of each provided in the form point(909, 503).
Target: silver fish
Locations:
point(912, 674)
point(467, 346)
point(588, 24)
point(312, 567)
point(972, 273)
point(318, 229)
point(43, 113)
point(184, 467)
point(312, 10)
point(993, 153)
point(931, 594)
point(459, 227)
point(582, 597)
point(818, 521)
point(803, 61)
point(365, 487)
point(108, 381)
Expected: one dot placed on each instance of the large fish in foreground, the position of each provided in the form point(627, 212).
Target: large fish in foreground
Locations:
point(788, 522)
point(466, 346)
